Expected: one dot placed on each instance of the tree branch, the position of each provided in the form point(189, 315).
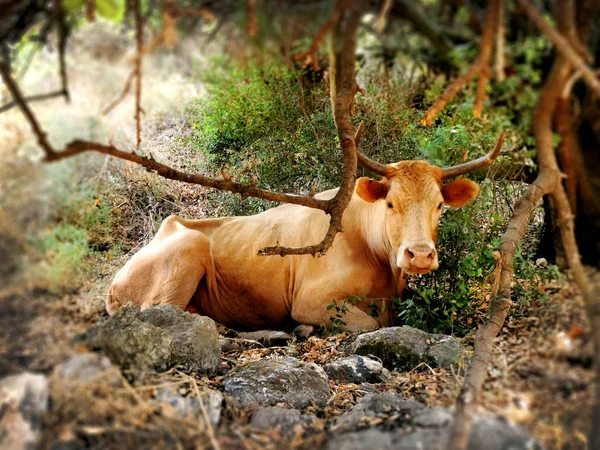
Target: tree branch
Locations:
point(562, 45)
point(342, 61)
point(310, 56)
point(485, 53)
point(63, 35)
point(32, 98)
point(499, 54)
point(122, 95)
point(548, 182)
point(450, 92)
point(139, 37)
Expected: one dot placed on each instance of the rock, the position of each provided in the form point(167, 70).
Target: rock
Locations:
point(370, 438)
point(267, 338)
point(404, 348)
point(382, 404)
point(88, 368)
point(157, 338)
point(430, 429)
point(432, 417)
point(271, 417)
point(271, 381)
point(23, 402)
point(190, 406)
point(356, 369)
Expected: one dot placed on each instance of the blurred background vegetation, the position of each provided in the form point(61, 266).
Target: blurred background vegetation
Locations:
point(222, 101)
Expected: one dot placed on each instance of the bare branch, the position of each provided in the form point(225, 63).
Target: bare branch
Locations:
point(122, 95)
point(562, 45)
point(310, 56)
point(342, 57)
point(18, 98)
point(485, 53)
point(33, 98)
point(476, 164)
point(139, 37)
point(499, 52)
point(63, 35)
point(78, 146)
point(383, 15)
point(251, 20)
point(450, 92)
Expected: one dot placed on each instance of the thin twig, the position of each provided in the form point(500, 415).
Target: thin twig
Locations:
point(485, 54)
point(63, 35)
point(122, 95)
point(33, 98)
point(139, 37)
point(251, 20)
point(499, 51)
point(383, 15)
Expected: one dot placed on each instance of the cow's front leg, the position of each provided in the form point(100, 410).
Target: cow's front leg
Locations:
point(343, 315)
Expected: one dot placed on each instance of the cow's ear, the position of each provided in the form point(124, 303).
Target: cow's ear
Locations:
point(460, 192)
point(370, 190)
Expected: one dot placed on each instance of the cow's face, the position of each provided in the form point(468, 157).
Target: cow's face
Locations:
point(412, 195)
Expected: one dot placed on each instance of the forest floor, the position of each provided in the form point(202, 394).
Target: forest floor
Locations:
point(540, 378)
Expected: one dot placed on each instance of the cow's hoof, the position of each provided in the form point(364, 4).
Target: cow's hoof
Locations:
point(303, 332)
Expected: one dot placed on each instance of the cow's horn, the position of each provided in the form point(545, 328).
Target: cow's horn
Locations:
point(365, 161)
point(476, 164)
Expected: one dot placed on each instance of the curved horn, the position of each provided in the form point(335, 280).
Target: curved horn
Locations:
point(479, 163)
point(365, 161)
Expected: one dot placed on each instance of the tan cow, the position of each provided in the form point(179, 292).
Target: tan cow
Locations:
point(212, 266)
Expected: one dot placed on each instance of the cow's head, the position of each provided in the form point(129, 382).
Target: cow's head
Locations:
point(412, 194)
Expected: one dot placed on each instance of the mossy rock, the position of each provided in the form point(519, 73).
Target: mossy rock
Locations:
point(404, 348)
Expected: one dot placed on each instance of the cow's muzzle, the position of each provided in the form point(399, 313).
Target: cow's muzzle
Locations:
point(418, 258)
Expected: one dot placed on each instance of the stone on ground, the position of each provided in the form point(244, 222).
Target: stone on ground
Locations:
point(23, 402)
point(404, 348)
point(271, 381)
point(271, 417)
point(356, 369)
point(157, 338)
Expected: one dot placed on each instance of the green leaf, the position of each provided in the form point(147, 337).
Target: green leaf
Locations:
point(111, 9)
point(72, 6)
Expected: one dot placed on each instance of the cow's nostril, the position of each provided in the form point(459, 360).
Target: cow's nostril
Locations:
point(410, 254)
point(431, 255)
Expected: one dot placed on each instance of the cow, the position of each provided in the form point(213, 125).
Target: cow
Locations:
point(213, 266)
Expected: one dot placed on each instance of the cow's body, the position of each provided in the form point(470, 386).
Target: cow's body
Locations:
point(213, 265)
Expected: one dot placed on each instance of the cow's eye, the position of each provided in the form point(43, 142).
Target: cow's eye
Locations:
point(440, 205)
point(390, 205)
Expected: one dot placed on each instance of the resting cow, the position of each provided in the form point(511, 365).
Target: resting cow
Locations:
point(212, 266)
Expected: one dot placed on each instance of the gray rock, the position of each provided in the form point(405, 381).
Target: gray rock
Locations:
point(157, 338)
point(23, 402)
point(378, 405)
point(88, 368)
point(487, 433)
point(356, 369)
point(271, 417)
point(370, 438)
point(432, 417)
point(271, 381)
point(404, 348)
point(190, 406)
